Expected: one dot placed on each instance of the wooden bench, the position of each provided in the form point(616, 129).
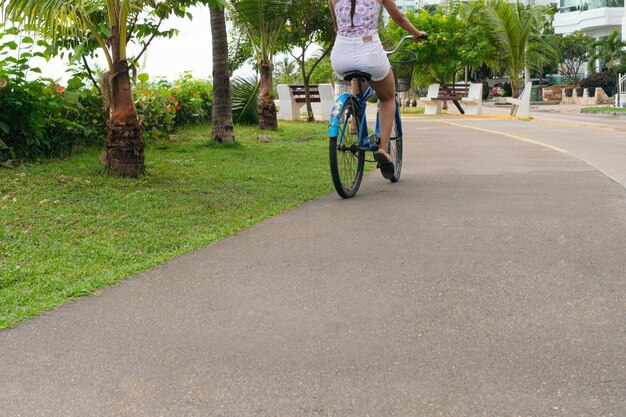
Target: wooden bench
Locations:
point(297, 90)
point(468, 94)
point(292, 100)
point(454, 93)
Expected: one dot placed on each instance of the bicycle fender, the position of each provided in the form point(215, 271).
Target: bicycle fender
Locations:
point(335, 115)
point(398, 121)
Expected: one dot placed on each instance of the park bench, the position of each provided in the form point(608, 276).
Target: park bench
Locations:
point(292, 100)
point(470, 95)
point(521, 105)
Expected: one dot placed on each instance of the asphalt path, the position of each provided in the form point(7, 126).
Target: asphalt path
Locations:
point(489, 281)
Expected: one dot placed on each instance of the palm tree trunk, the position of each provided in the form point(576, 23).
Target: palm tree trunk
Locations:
point(124, 147)
point(268, 119)
point(222, 117)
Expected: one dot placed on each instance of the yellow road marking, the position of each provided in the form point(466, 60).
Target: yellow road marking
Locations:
point(457, 117)
point(491, 117)
point(535, 142)
point(446, 119)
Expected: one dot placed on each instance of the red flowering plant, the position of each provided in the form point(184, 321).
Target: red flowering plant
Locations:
point(40, 118)
point(163, 106)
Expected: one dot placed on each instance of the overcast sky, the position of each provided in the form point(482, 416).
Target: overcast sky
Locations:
point(190, 50)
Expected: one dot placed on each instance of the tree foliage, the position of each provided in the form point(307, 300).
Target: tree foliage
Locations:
point(262, 21)
point(240, 51)
point(609, 51)
point(309, 25)
point(80, 29)
point(453, 44)
point(574, 53)
point(82, 26)
point(324, 72)
point(515, 29)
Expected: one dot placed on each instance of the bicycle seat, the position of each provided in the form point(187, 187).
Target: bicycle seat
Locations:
point(348, 76)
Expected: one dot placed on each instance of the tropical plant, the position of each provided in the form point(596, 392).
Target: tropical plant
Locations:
point(285, 68)
point(262, 21)
point(164, 106)
point(38, 117)
point(514, 28)
point(609, 51)
point(240, 51)
point(543, 55)
point(246, 99)
point(111, 26)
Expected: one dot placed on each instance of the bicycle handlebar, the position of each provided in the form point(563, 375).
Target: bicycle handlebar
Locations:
point(406, 38)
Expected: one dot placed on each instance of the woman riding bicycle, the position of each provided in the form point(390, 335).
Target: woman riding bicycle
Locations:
point(357, 47)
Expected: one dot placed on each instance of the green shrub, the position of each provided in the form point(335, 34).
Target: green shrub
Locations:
point(195, 98)
point(604, 79)
point(40, 118)
point(163, 105)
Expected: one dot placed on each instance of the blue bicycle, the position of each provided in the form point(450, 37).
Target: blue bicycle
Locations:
point(347, 146)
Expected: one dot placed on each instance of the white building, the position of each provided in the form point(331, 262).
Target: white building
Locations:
point(404, 5)
point(596, 18)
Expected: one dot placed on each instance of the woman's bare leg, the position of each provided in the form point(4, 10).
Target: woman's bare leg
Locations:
point(386, 91)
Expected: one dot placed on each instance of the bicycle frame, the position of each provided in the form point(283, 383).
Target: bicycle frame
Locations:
point(366, 142)
point(347, 152)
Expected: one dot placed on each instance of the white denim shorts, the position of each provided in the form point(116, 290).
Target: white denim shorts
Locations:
point(360, 54)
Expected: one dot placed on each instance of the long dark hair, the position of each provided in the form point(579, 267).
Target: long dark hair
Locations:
point(352, 6)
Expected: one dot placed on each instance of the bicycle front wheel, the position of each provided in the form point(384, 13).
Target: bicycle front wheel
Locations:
point(346, 160)
point(395, 151)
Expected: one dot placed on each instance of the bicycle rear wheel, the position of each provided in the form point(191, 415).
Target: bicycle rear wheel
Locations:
point(346, 160)
point(395, 151)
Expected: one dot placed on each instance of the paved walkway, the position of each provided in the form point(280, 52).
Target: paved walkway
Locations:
point(489, 281)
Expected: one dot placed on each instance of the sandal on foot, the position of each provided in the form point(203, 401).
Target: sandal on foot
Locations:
point(384, 163)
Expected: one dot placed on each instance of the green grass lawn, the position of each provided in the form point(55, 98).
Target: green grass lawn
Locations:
point(412, 110)
point(67, 228)
point(606, 109)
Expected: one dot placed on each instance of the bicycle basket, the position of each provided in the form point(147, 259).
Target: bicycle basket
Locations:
point(402, 63)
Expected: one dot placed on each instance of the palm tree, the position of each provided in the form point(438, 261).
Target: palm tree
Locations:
point(262, 20)
point(124, 147)
point(609, 51)
point(513, 27)
point(286, 68)
point(222, 118)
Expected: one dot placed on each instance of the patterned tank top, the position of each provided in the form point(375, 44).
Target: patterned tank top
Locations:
point(365, 18)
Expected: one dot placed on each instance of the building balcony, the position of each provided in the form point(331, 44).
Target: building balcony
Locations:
point(589, 16)
point(567, 6)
